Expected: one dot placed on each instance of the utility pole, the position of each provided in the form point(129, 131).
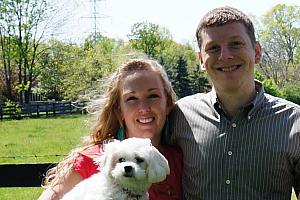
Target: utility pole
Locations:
point(95, 16)
point(95, 19)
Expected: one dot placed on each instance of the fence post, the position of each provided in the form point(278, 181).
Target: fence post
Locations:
point(53, 108)
point(15, 111)
point(1, 113)
point(47, 106)
point(38, 110)
point(70, 104)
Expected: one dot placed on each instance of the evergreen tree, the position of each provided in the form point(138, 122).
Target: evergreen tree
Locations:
point(199, 81)
point(181, 80)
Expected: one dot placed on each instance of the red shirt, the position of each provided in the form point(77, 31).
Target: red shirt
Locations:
point(168, 189)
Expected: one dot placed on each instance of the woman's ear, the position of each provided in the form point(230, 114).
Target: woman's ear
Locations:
point(118, 113)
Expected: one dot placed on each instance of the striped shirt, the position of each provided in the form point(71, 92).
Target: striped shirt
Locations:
point(255, 155)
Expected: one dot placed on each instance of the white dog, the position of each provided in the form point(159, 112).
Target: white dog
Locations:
point(128, 168)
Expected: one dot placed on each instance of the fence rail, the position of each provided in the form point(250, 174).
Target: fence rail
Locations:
point(38, 109)
point(23, 175)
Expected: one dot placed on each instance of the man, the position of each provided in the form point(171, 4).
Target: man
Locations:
point(239, 143)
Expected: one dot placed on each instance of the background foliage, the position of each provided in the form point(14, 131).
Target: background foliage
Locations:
point(33, 63)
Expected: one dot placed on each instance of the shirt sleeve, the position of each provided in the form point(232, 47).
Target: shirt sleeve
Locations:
point(84, 163)
point(297, 180)
point(297, 166)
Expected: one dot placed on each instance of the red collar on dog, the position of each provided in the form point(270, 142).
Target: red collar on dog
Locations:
point(132, 194)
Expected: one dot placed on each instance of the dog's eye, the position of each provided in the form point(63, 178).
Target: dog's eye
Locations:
point(121, 160)
point(139, 160)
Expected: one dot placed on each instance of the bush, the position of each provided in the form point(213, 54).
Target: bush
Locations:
point(13, 109)
point(292, 93)
point(272, 88)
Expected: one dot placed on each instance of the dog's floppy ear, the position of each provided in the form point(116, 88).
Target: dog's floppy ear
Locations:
point(106, 160)
point(158, 167)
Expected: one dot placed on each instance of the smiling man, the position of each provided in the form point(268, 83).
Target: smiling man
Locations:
point(239, 143)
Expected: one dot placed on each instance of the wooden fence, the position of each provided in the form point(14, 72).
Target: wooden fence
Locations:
point(23, 175)
point(31, 175)
point(38, 109)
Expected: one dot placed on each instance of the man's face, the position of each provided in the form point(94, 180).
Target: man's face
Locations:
point(228, 56)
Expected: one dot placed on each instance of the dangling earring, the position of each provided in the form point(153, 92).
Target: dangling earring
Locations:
point(121, 133)
point(166, 131)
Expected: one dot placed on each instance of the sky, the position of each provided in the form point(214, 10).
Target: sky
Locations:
point(116, 17)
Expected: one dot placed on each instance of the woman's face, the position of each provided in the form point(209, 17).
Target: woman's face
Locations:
point(143, 105)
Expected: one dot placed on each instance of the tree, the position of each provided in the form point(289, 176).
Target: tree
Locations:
point(280, 38)
point(148, 37)
point(292, 93)
point(8, 51)
point(199, 81)
point(8, 77)
point(181, 80)
point(57, 63)
point(23, 22)
point(71, 71)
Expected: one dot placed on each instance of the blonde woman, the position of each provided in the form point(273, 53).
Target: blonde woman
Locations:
point(137, 101)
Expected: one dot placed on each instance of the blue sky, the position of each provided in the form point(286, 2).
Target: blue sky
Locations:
point(180, 17)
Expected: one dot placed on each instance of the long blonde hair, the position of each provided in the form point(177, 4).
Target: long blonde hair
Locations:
point(107, 123)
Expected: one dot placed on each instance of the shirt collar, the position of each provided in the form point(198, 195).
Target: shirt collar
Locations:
point(253, 105)
point(260, 96)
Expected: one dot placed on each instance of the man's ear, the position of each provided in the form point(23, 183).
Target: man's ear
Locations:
point(202, 67)
point(258, 53)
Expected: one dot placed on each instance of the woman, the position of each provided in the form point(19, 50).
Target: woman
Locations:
point(138, 99)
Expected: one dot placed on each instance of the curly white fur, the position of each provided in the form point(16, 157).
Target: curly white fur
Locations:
point(128, 168)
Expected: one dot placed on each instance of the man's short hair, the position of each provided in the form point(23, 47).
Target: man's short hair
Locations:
point(224, 15)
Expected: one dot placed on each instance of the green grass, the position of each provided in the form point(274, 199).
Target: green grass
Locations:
point(38, 141)
point(20, 193)
point(22, 140)
point(34, 193)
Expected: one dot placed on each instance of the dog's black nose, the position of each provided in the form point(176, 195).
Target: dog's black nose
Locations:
point(128, 169)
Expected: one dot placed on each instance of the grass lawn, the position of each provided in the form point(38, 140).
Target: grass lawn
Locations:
point(20, 193)
point(38, 141)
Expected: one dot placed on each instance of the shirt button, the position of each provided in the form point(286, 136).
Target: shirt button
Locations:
point(233, 125)
point(229, 153)
point(169, 192)
point(227, 182)
point(249, 117)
